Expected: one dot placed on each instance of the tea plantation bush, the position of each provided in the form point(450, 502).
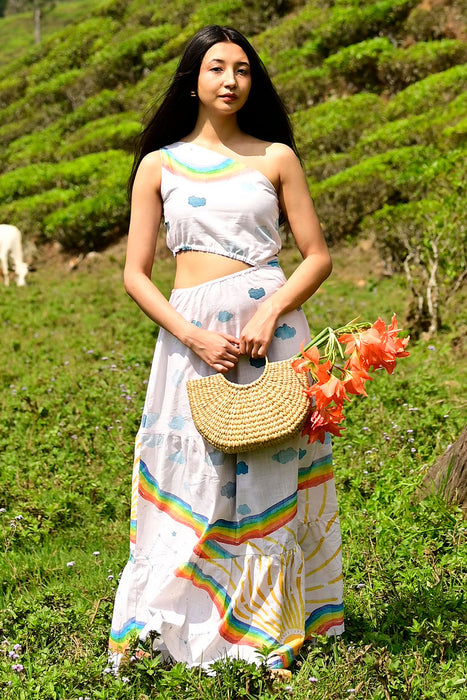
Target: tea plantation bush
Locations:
point(91, 223)
point(66, 50)
point(358, 64)
point(28, 212)
point(349, 25)
point(301, 88)
point(292, 32)
point(427, 22)
point(336, 125)
point(122, 61)
point(427, 241)
point(34, 179)
point(11, 89)
point(406, 66)
point(33, 148)
point(344, 199)
point(425, 128)
point(117, 131)
point(433, 91)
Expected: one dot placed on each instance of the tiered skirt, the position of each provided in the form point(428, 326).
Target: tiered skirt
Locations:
point(228, 553)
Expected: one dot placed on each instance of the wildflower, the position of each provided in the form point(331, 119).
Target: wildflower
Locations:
point(17, 667)
point(17, 647)
point(70, 563)
point(13, 655)
point(96, 553)
point(125, 679)
point(338, 372)
point(19, 517)
point(312, 679)
point(107, 670)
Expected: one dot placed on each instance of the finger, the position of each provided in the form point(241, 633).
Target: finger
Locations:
point(231, 338)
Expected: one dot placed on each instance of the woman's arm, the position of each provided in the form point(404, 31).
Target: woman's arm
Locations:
point(297, 205)
point(219, 351)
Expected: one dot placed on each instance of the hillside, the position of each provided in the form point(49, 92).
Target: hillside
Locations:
point(375, 88)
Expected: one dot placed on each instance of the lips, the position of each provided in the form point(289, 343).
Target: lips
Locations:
point(229, 96)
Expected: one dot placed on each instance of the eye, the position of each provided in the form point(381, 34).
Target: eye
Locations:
point(216, 69)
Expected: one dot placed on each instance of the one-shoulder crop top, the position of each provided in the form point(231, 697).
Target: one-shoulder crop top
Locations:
point(215, 204)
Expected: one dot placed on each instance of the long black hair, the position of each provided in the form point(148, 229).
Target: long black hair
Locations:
point(263, 115)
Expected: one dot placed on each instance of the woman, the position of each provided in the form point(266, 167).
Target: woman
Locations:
point(228, 553)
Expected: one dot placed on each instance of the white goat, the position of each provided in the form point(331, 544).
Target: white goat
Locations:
point(10, 244)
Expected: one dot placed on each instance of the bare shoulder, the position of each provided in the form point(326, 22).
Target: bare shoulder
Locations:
point(283, 154)
point(149, 169)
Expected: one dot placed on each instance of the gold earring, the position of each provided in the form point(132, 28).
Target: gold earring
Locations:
point(193, 94)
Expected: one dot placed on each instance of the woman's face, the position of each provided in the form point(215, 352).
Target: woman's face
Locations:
point(224, 79)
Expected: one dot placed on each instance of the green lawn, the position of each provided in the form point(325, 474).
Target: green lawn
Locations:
point(76, 354)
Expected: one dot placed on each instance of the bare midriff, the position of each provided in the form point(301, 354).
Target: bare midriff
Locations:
point(195, 267)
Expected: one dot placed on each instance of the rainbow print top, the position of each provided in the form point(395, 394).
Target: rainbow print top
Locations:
point(216, 204)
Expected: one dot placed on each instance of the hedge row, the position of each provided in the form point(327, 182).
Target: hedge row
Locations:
point(33, 179)
point(337, 125)
point(433, 91)
point(344, 199)
point(28, 212)
point(115, 132)
point(428, 128)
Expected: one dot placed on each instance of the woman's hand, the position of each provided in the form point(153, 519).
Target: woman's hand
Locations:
point(219, 350)
point(256, 336)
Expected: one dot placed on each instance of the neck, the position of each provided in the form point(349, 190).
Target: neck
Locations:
point(210, 131)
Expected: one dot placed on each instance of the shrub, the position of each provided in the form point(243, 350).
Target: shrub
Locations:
point(427, 241)
point(100, 105)
point(301, 88)
point(28, 212)
point(36, 178)
point(33, 148)
point(11, 89)
point(10, 131)
point(112, 8)
point(349, 25)
point(70, 48)
point(439, 171)
point(425, 23)
point(406, 66)
point(113, 132)
point(319, 169)
point(357, 64)
point(344, 199)
point(122, 62)
point(336, 125)
point(419, 129)
point(433, 91)
point(456, 135)
point(149, 90)
point(292, 32)
point(91, 223)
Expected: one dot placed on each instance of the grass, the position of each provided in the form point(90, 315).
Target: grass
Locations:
point(76, 355)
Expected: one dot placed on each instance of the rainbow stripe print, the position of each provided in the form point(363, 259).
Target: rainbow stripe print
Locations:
point(233, 532)
point(120, 639)
point(220, 171)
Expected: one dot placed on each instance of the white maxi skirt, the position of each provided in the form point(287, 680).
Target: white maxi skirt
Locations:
point(228, 553)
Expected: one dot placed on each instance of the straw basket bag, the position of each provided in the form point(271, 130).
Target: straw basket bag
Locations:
point(242, 417)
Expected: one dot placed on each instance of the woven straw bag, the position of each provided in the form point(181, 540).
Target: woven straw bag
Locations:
point(242, 417)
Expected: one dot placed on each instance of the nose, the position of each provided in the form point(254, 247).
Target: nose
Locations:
point(229, 78)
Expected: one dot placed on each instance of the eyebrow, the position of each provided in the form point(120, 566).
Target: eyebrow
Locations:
point(221, 60)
